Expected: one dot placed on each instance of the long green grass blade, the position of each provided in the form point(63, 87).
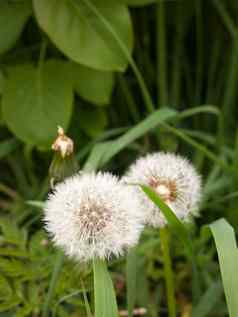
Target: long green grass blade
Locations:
point(105, 298)
point(151, 122)
point(172, 219)
point(225, 241)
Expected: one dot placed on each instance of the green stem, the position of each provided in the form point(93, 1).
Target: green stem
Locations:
point(57, 269)
point(129, 98)
point(168, 273)
point(161, 55)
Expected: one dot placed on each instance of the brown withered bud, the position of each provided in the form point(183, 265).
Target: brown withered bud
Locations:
point(63, 144)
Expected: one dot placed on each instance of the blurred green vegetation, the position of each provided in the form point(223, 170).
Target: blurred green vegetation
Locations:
point(159, 75)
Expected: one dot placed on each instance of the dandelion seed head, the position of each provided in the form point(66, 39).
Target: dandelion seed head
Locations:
point(173, 178)
point(93, 215)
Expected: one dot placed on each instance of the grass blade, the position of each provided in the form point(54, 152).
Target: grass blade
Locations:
point(172, 219)
point(225, 241)
point(105, 298)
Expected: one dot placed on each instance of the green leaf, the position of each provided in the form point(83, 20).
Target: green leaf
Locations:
point(13, 16)
point(151, 122)
point(138, 3)
point(78, 32)
point(93, 85)
point(225, 240)
point(172, 219)
point(103, 152)
point(37, 100)
point(5, 288)
point(105, 298)
point(92, 121)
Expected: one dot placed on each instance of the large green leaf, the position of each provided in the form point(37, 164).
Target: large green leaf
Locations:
point(105, 299)
point(225, 240)
point(13, 16)
point(37, 100)
point(138, 3)
point(93, 85)
point(78, 32)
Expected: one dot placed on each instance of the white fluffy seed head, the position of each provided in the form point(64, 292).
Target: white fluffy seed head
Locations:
point(173, 178)
point(93, 215)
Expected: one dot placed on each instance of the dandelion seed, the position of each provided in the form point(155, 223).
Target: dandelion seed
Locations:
point(93, 215)
point(173, 178)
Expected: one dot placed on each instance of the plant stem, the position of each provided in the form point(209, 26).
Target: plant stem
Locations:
point(129, 99)
point(161, 55)
point(168, 273)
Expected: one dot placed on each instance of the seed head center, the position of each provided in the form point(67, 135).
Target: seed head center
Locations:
point(163, 191)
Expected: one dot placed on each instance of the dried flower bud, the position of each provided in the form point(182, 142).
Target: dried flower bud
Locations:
point(63, 144)
point(64, 163)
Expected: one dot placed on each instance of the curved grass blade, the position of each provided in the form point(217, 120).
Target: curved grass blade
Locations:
point(173, 221)
point(225, 241)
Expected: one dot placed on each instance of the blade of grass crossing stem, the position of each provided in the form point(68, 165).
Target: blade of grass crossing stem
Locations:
point(104, 294)
point(173, 221)
point(181, 232)
point(225, 241)
point(131, 273)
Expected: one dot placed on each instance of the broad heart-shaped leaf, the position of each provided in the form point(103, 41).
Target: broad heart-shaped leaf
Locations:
point(92, 120)
point(81, 34)
point(93, 85)
point(105, 299)
point(37, 100)
point(13, 16)
point(138, 3)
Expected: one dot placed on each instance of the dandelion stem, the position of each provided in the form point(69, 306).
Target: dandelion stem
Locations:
point(168, 273)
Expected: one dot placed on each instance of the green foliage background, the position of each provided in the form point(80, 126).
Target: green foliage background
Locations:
point(123, 77)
